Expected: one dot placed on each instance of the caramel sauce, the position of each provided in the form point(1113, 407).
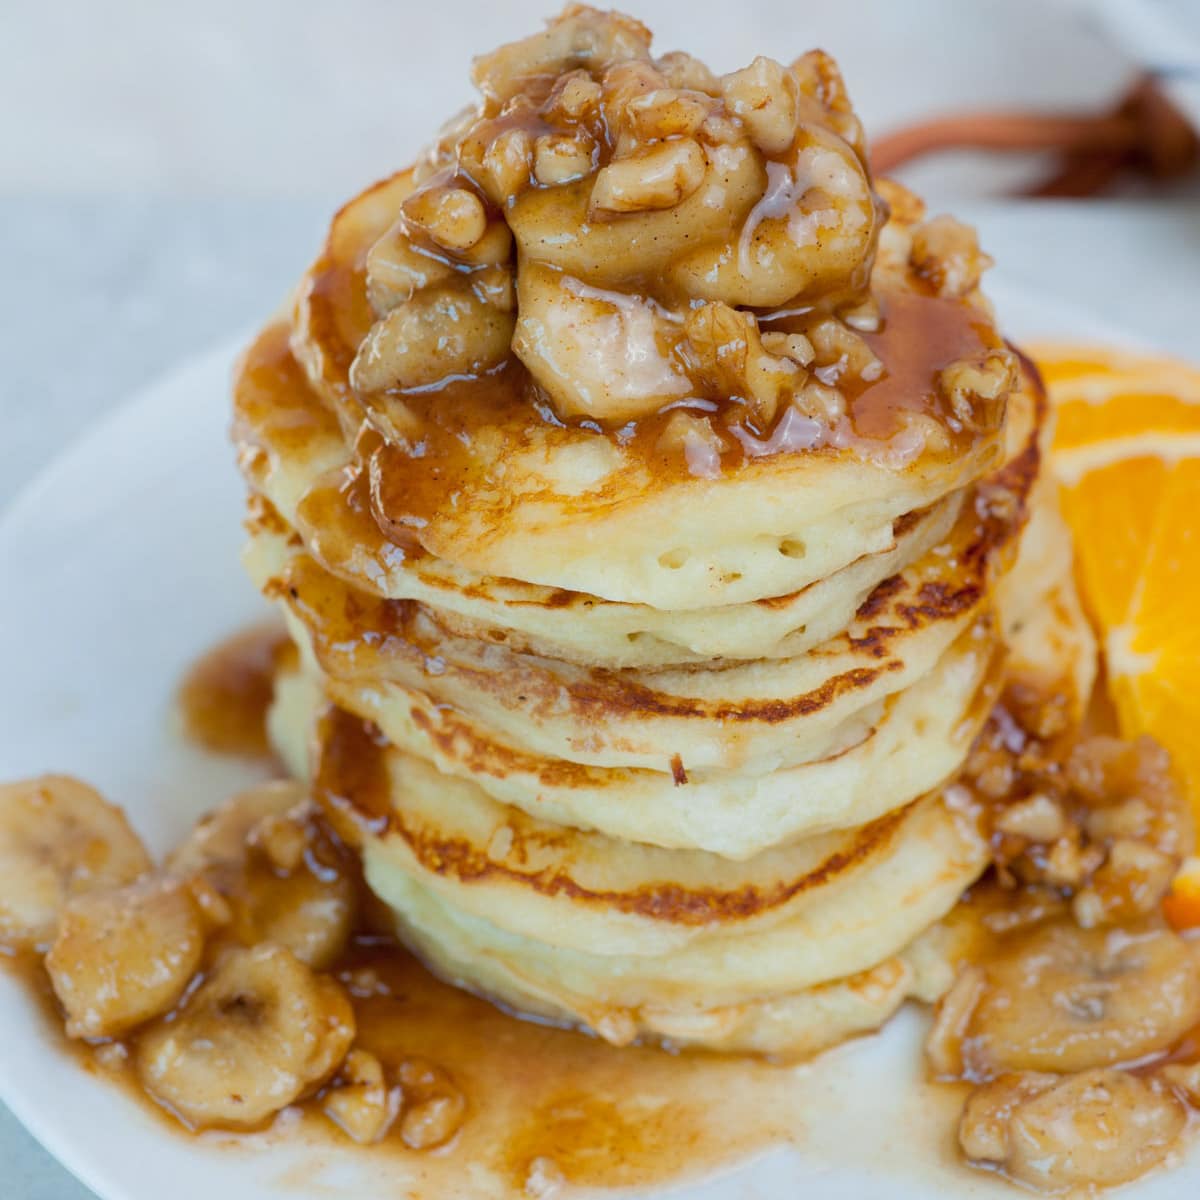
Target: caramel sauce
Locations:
point(224, 696)
point(543, 1103)
point(556, 1103)
point(465, 431)
point(921, 333)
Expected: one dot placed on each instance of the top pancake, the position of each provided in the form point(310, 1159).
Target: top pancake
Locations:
point(293, 453)
point(488, 485)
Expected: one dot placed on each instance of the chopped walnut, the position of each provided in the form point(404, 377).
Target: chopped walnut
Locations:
point(664, 209)
point(693, 437)
point(946, 254)
point(359, 1100)
point(1130, 882)
point(580, 37)
point(666, 113)
point(821, 402)
point(977, 390)
point(658, 177)
point(1099, 822)
point(507, 164)
point(561, 158)
point(763, 95)
point(434, 1107)
point(726, 352)
point(453, 217)
point(575, 97)
point(213, 906)
point(396, 269)
point(283, 839)
point(1037, 818)
point(819, 79)
point(681, 70)
point(790, 345)
point(865, 316)
point(1184, 1077)
point(944, 1045)
point(839, 352)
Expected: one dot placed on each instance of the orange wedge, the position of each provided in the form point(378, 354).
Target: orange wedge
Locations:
point(1127, 450)
point(1181, 906)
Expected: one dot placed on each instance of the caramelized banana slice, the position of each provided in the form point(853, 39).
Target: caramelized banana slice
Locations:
point(123, 957)
point(221, 835)
point(280, 876)
point(1066, 999)
point(58, 838)
point(1099, 1128)
point(811, 233)
point(438, 333)
point(261, 1033)
point(600, 354)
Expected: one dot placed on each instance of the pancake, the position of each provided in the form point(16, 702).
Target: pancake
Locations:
point(566, 887)
point(499, 864)
point(840, 932)
point(579, 628)
point(567, 507)
point(801, 1024)
point(752, 716)
point(918, 739)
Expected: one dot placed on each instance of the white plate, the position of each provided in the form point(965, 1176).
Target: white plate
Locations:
point(117, 568)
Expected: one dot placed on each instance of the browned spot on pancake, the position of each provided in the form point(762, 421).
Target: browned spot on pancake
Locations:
point(353, 784)
point(561, 598)
point(263, 518)
point(678, 774)
point(878, 600)
point(935, 601)
point(1001, 511)
point(783, 601)
point(910, 520)
point(598, 695)
point(459, 742)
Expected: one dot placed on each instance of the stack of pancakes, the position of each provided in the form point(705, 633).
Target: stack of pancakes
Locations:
point(660, 751)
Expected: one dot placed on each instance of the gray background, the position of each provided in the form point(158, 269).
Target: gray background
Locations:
point(166, 170)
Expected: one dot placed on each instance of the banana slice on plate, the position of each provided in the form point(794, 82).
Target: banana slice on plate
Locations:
point(261, 1032)
point(275, 874)
point(125, 956)
point(59, 838)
